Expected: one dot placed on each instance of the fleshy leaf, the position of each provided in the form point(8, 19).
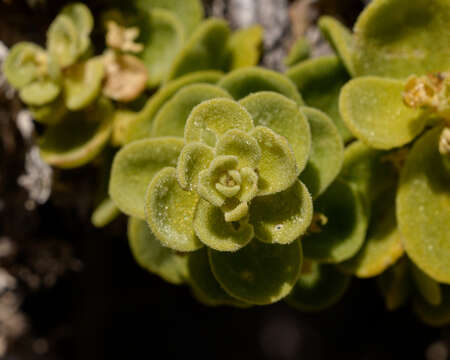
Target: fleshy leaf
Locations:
point(51, 113)
point(213, 118)
point(283, 217)
point(320, 80)
point(277, 169)
point(83, 83)
point(345, 230)
point(171, 119)
point(152, 256)
point(39, 92)
point(434, 315)
point(170, 212)
point(244, 47)
point(243, 82)
point(395, 285)
point(382, 247)
point(299, 51)
point(194, 158)
point(374, 111)
point(134, 126)
point(79, 137)
point(340, 38)
point(25, 62)
point(282, 115)
point(63, 41)
point(423, 207)
point(212, 229)
point(327, 152)
point(396, 38)
point(204, 284)
point(259, 273)
point(162, 40)
point(249, 184)
point(238, 143)
point(204, 50)
point(134, 167)
point(189, 12)
point(320, 286)
point(104, 213)
point(81, 16)
point(427, 287)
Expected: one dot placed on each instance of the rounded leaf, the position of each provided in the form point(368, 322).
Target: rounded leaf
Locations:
point(162, 42)
point(396, 38)
point(171, 119)
point(434, 315)
point(427, 287)
point(81, 16)
point(212, 229)
point(238, 143)
point(79, 137)
point(39, 92)
point(242, 82)
point(134, 167)
point(51, 113)
point(63, 41)
point(277, 169)
point(374, 111)
point(423, 207)
point(24, 64)
point(83, 83)
point(259, 273)
point(282, 115)
point(105, 213)
point(205, 49)
point(345, 230)
point(320, 80)
point(395, 285)
point(298, 52)
point(320, 286)
point(170, 212)
point(283, 217)
point(152, 256)
point(244, 47)
point(213, 118)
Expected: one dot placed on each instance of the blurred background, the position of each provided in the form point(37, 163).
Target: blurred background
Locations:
point(70, 291)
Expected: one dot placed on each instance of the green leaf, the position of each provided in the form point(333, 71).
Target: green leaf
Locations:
point(83, 83)
point(282, 217)
point(242, 82)
point(162, 41)
point(204, 284)
point(396, 38)
point(238, 143)
point(63, 41)
point(79, 137)
point(277, 169)
point(24, 63)
point(152, 256)
point(434, 315)
point(205, 49)
point(194, 158)
point(39, 92)
point(320, 286)
point(131, 126)
point(427, 287)
point(423, 207)
point(105, 213)
point(171, 118)
point(383, 246)
point(298, 52)
point(213, 118)
point(320, 80)
point(212, 229)
point(327, 152)
point(259, 273)
point(345, 230)
point(189, 12)
point(374, 111)
point(51, 113)
point(395, 285)
point(340, 38)
point(134, 167)
point(170, 212)
point(81, 17)
point(244, 47)
point(282, 115)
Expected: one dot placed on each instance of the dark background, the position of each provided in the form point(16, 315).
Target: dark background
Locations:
point(100, 304)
